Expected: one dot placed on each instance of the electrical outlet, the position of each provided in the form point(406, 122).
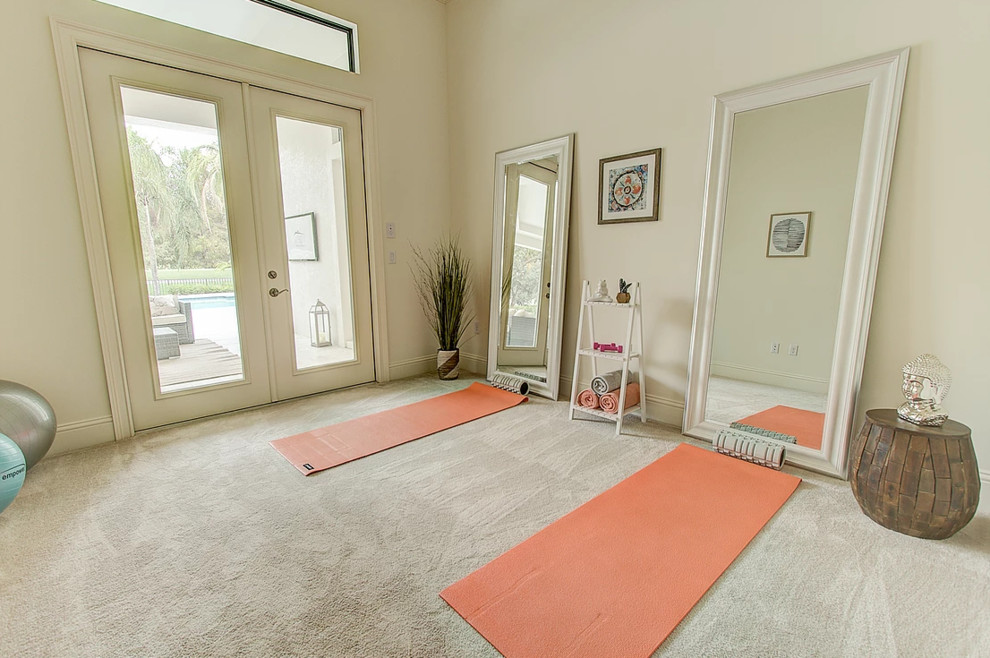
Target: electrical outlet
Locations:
point(391, 258)
point(477, 327)
point(792, 350)
point(775, 348)
point(390, 229)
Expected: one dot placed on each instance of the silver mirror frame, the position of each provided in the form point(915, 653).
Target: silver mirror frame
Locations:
point(884, 75)
point(563, 149)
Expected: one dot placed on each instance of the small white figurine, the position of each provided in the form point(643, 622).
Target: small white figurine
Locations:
point(925, 410)
point(601, 295)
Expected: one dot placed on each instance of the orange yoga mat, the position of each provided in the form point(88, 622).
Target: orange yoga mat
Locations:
point(320, 449)
point(616, 575)
point(806, 426)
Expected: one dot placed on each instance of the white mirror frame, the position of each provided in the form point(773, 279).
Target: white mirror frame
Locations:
point(884, 75)
point(563, 149)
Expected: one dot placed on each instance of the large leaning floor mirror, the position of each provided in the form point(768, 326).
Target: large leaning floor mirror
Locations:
point(529, 257)
point(794, 207)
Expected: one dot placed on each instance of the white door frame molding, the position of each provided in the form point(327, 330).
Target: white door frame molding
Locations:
point(68, 38)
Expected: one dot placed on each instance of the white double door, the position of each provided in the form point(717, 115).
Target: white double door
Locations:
point(237, 236)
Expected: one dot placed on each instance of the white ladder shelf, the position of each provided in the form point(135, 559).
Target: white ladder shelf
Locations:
point(635, 311)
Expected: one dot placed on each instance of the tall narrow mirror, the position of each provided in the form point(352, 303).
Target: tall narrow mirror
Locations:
point(794, 207)
point(529, 251)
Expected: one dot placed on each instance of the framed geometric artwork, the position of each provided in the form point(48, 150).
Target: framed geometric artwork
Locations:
point(788, 235)
point(629, 188)
point(300, 237)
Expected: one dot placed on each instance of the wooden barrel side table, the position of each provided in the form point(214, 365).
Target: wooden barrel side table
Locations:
point(921, 481)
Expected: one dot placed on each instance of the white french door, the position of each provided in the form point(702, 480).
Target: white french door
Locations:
point(237, 238)
point(315, 231)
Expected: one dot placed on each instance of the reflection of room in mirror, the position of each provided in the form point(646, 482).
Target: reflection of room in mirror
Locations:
point(530, 193)
point(532, 373)
point(736, 401)
point(527, 263)
point(798, 155)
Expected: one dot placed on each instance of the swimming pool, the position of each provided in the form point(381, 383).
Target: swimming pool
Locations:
point(213, 300)
point(215, 319)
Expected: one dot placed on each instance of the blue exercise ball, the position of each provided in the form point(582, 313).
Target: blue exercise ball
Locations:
point(12, 469)
point(27, 419)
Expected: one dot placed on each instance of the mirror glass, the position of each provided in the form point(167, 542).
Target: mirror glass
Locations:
point(532, 192)
point(794, 204)
point(792, 174)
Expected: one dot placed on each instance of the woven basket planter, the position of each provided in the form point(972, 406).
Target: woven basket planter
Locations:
point(448, 364)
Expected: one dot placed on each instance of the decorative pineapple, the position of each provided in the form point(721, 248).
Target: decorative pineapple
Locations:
point(623, 295)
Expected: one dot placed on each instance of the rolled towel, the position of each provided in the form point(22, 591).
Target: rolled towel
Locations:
point(610, 381)
point(610, 401)
point(588, 398)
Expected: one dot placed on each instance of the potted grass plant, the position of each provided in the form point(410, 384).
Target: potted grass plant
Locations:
point(443, 284)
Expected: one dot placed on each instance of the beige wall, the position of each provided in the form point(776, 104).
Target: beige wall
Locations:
point(630, 75)
point(800, 156)
point(48, 334)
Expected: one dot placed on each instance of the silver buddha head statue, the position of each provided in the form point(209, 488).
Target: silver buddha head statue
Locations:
point(926, 383)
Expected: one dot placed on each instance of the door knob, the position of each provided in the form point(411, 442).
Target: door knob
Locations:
point(275, 292)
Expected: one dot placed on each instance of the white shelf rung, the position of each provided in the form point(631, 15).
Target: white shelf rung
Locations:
point(614, 356)
point(604, 414)
point(624, 305)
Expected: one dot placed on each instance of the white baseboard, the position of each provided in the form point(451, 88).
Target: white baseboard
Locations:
point(476, 364)
point(770, 377)
point(421, 365)
point(82, 434)
point(666, 411)
point(412, 367)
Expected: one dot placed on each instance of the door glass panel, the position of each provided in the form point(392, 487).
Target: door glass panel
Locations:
point(177, 175)
point(311, 169)
point(527, 264)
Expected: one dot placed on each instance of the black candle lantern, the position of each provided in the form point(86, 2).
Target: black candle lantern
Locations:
point(319, 325)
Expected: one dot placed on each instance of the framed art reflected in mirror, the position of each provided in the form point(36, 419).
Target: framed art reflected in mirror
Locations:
point(788, 234)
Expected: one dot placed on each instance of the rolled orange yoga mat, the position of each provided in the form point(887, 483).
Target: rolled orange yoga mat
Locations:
point(615, 576)
point(320, 449)
point(610, 401)
point(588, 398)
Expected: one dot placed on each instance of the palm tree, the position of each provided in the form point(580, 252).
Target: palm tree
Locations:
point(152, 195)
point(204, 178)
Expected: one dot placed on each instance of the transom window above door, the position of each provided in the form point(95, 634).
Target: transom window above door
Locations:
point(284, 26)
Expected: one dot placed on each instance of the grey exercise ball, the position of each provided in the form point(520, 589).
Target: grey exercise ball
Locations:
point(27, 419)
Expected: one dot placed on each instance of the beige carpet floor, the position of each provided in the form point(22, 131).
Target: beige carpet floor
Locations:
point(200, 540)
